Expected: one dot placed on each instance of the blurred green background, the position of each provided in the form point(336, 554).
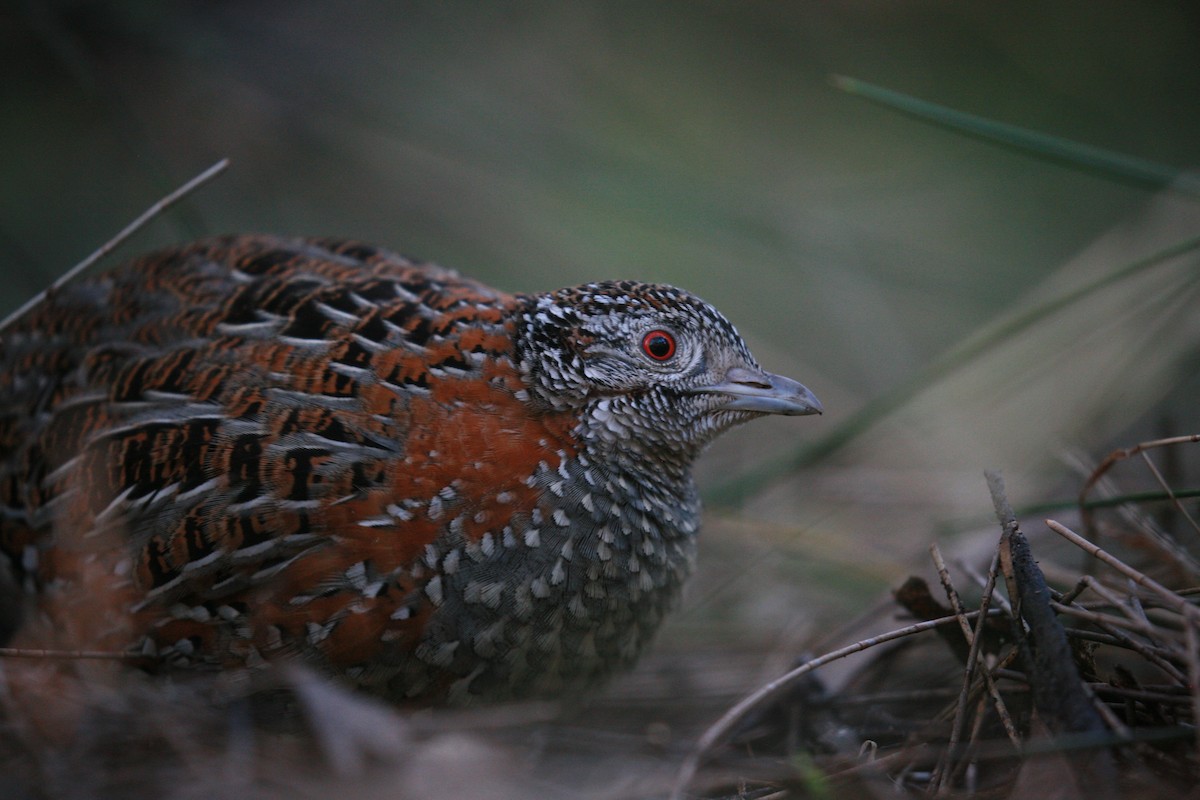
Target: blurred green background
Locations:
point(536, 145)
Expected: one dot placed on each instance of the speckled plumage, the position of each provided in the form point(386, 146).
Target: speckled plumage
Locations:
point(252, 447)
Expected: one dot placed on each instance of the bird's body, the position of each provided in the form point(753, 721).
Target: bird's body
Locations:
point(251, 447)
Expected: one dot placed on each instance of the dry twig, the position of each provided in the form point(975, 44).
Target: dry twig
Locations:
point(1062, 700)
point(1170, 599)
point(115, 242)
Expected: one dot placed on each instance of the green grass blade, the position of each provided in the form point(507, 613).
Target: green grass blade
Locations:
point(1086, 157)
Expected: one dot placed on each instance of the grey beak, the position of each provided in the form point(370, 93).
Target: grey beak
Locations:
point(765, 393)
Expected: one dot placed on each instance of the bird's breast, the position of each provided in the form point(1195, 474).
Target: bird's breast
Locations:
point(558, 597)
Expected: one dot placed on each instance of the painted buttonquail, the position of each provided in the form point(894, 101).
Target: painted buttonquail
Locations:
point(253, 447)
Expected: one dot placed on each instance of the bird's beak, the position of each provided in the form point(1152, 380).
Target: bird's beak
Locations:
point(764, 393)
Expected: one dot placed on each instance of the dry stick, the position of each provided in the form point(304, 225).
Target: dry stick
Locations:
point(989, 595)
point(974, 640)
point(1059, 694)
point(946, 762)
point(719, 729)
point(115, 242)
point(993, 690)
point(1169, 598)
point(31, 652)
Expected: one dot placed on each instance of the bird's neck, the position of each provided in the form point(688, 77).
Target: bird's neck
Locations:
point(636, 485)
point(634, 445)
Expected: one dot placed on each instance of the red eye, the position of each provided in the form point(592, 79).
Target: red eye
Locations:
point(659, 345)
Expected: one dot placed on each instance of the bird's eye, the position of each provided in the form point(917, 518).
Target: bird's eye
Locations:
point(659, 345)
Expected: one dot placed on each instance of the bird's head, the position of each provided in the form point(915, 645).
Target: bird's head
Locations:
point(647, 366)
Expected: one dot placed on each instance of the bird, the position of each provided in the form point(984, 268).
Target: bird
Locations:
point(252, 448)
